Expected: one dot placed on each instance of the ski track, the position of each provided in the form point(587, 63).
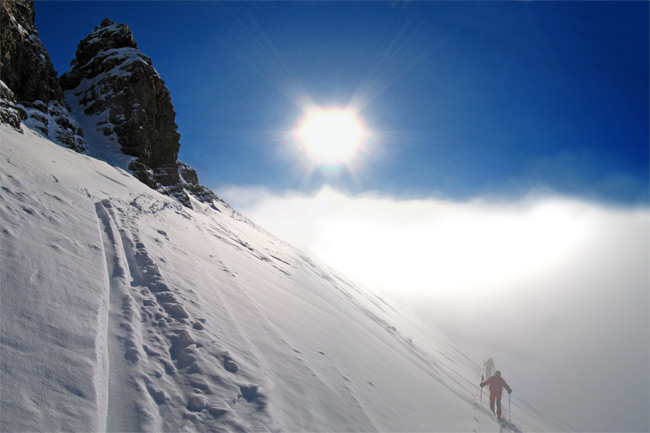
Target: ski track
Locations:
point(121, 412)
point(103, 350)
point(166, 362)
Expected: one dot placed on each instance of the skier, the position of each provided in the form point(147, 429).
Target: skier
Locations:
point(497, 384)
point(489, 367)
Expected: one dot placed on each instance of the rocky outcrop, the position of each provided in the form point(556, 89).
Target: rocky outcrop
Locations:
point(124, 104)
point(112, 89)
point(10, 113)
point(28, 73)
point(190, 183)
point(116, 86)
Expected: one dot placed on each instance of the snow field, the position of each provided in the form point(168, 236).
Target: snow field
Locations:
point(124, 311)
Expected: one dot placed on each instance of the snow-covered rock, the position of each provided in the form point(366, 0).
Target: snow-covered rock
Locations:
point(10, 113)
point(104, 280)
point(125, 106)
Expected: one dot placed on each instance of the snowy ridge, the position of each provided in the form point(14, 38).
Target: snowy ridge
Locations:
point(123, 310)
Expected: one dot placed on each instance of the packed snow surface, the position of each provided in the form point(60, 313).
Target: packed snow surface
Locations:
point(122, 310)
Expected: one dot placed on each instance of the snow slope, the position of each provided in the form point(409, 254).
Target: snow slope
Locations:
point(122, 310)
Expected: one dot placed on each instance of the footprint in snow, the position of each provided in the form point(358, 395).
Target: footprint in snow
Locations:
point(196, 403)
point(251, 393)
point(230, 365)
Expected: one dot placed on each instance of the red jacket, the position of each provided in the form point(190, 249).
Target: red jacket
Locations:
point(496, 385)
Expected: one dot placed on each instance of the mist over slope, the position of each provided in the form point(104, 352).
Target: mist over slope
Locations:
point(123, 310)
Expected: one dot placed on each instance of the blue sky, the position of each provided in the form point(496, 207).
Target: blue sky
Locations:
point(464, 99)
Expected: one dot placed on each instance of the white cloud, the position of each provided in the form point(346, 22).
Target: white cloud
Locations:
point(431, 243)
point(557, 286)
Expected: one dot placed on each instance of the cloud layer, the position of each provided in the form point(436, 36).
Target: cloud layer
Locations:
point(555, 288)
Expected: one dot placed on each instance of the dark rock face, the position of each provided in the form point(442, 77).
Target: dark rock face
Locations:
point(26, 66)
point(27, 71)
point(107, 36)
point(121, 82)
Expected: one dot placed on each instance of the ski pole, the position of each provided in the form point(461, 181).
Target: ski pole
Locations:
point(481, 400)
point(509, 412)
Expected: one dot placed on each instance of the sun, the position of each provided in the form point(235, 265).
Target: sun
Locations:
point(331, 136)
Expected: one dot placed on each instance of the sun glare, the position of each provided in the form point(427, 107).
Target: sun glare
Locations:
point(331, 136)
